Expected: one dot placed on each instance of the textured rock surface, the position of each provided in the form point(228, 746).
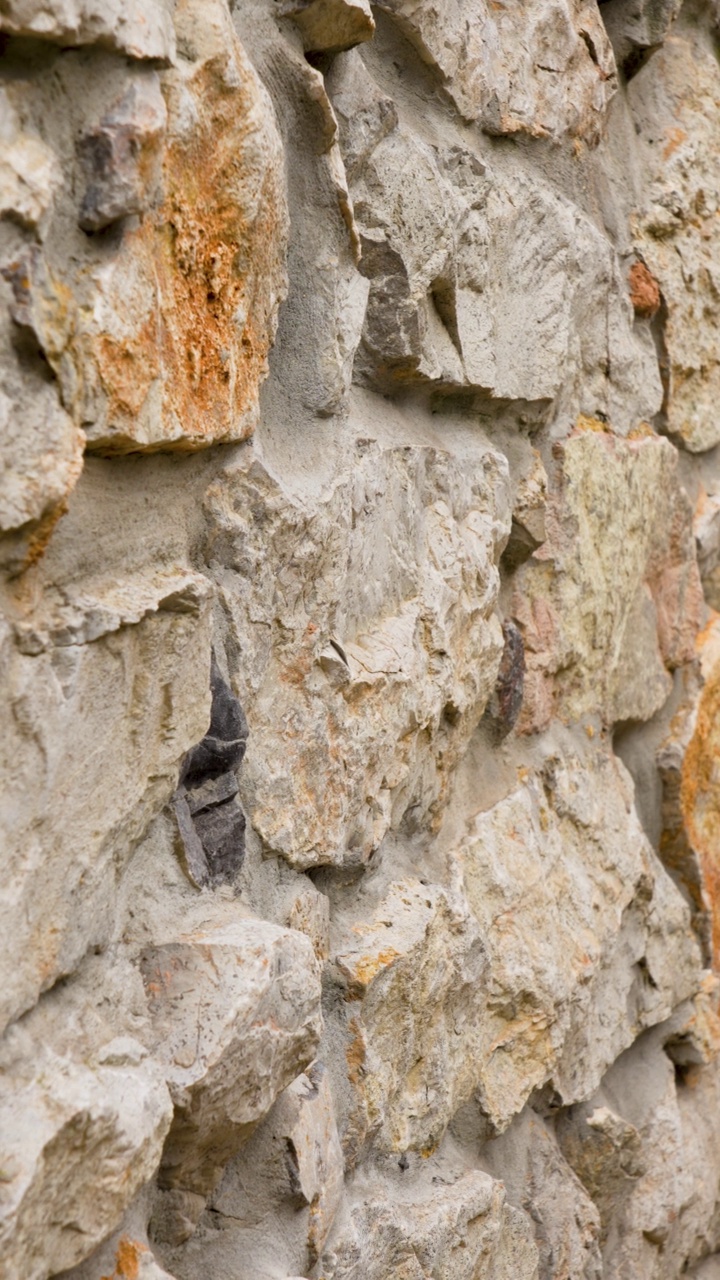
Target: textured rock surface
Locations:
point(359, 668)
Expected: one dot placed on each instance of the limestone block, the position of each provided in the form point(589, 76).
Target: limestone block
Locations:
point(455, 1230)
point(331, 25)
point(587, 939)
point(675, 101)
point(528, 1160)
point(646, 1148)
point(82, 1129)
point(236, 1016)
point(140, 28)
point(367, 663)
point(284, 1187)
point(689, 758)
point(160, 335)
point(612, 599)
point(30, 175)
point(106, 671)
point(480, 279)
point(707, 539)
point(41, 451)
point(528, 528)
point(310, 913)
point(414, 979)
point(545, 69)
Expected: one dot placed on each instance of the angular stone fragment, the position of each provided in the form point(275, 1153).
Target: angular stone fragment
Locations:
point(646, 1147)
point(694, 819)
point(455, 1230)
point(538, 1178)
point(310, 913)
point(366, 665)
point(120, 156)
point(545, 68)
point(481, 280)
point(414, 980)
point(105, 688)
point(587, 939)
point(675, 100)
point(160, 338)
point(236, 1016)
point(82, 1126)
point(612, 599)
point(30, 175)
point(41, 452)
point(528, 528)
point(140, 28)
point(331, 25)
point(282, 1189)
point(707, 538)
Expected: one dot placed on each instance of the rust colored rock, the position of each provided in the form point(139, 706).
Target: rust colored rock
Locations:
point(644, 291)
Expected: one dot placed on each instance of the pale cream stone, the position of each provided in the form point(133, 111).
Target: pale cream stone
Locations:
point(612, 600)
point(367, 662)
point(140, 28)
point(105, 689)
point(236, 1016)
point(456, 1230)
point(545, 69)
point(675, 101)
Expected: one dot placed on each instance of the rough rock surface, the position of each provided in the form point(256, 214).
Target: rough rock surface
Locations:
point(359, 668)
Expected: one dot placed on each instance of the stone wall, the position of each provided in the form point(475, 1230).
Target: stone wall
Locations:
point(360, 550)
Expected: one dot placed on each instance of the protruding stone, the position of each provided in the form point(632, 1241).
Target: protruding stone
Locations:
point(121, 156)
point(236, 1016)
point(166, 343)
point(545, 69)
point(310, 913)
point(537, 1176)
point(140, 28)
point(675, 101)
point(612, 600)
point(121, 665)
point(30, 175)
point(77, 1140)
point(574, 972)
point(329, 26)
point(363, 698)
point(459, 1229)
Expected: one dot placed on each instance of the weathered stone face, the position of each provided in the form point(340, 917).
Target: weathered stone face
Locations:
point(545, 71)
point(612, 600)
point(359, 547)
point(675, 101)
point(376, 673)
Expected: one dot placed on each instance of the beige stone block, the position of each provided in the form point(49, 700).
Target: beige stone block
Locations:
point(140, 28)
point(456, 1230)
point(545, 70)
point(236, 1016)
point(331, 25)
point(612, 600)
point(367, 661)
point(106, 686)
point(675, 100)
